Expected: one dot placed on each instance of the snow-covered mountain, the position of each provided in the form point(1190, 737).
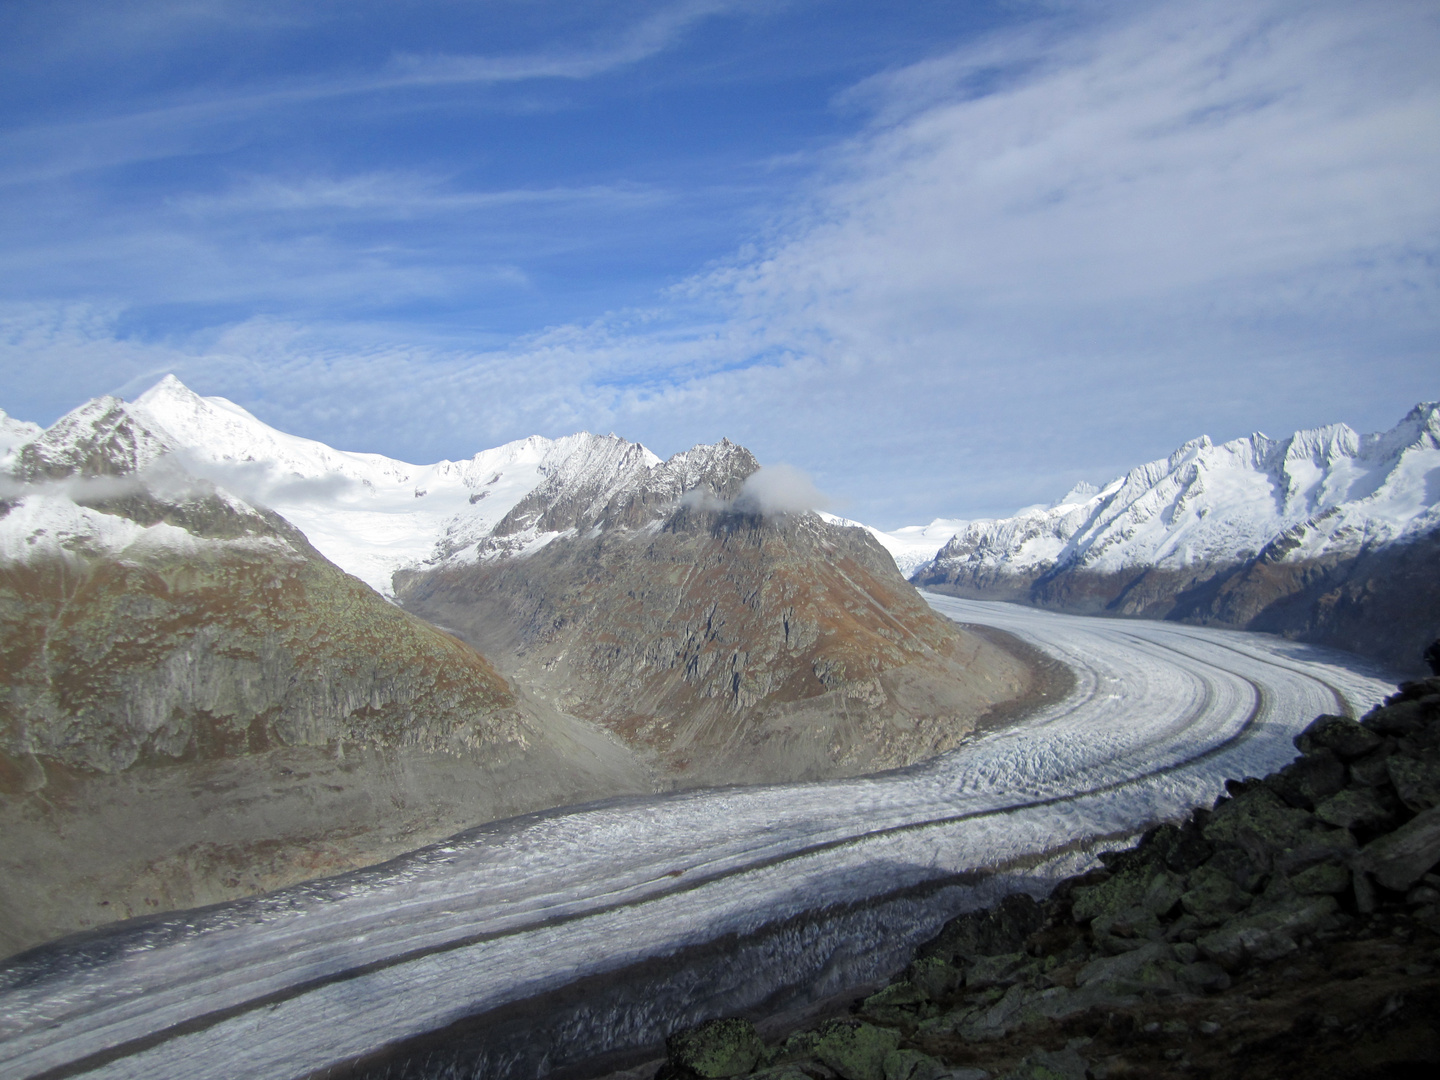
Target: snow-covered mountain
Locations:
point(373, 515)
point(13, 435)
point(912, 546)
point(300, 723)
point(183, 585)
point(1192, 535)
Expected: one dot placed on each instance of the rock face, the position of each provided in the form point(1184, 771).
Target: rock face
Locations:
point(1292, 930)
point(1327, 535)
point(197, 705)
point(732, 644)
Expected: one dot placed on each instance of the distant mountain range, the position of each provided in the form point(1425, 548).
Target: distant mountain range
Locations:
point(1326, 535)
point(223, 670)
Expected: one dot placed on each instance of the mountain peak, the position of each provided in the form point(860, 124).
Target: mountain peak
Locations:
point(100, 438)
point(169, 386)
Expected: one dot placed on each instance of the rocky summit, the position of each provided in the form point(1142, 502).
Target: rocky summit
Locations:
point(1292, 930)
point(727, 640)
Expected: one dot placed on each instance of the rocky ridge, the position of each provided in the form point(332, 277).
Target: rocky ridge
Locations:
point(730, 643)
point(1325, 536)
point(1292, 930)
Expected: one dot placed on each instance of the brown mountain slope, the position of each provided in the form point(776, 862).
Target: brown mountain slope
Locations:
point(195, 705)
point(732, 645)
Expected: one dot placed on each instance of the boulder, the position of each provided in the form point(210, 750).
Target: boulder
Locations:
point(1001, 929)
point(1257, 821)
point(718, 1049)
point(1268, 934)
point(994, 1020)
point(1213, 896)
point(1310, 779)
point(1354, 808)
point(899, 1003)
point(1318, 880)
point(1371, 771)
point(1399, 859)
point(1401, 718)
point(855, 1051)
point(1066, 1064)
point(1148, 967)
point(911, 1065)
point(999, 970)
point(1339, 734)
point(1141, 888)
point(1417, 782)
point(935, 977)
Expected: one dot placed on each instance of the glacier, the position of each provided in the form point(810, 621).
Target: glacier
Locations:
point(321, 975)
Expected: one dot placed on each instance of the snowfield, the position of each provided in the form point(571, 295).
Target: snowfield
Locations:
point(317, 975)
point(369, 514)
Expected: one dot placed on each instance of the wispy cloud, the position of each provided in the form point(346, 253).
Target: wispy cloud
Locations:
point(1040, 258)
point(165, 124)
point(639, 41)
point(398, 194)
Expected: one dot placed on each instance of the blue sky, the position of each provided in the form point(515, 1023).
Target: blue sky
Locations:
point(948, 258)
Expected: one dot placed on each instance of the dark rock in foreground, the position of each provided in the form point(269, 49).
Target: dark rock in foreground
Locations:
point(1291, 931)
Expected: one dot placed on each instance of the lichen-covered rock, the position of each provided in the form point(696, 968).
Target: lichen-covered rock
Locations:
point(1373, 770)
point(719, 1048)
point(1401, 858)
point(1311, 779)
point(935, 977)
point(1320, 879)
point(1149, 967)
point(1339, 734)
point(1355, 808)
point(899, 1003)
point(1001, 970)
point(1125, 911)
point(1213, 896)
point(990, 1020)
point(997, 930)
point(1066, 1064)
point(856, 1051)
point(911, 1065)
point(1416, 782)
point(1267, 934)
point(1257, 820)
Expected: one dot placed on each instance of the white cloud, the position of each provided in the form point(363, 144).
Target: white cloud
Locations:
point(1044, 258)
point(780, 489)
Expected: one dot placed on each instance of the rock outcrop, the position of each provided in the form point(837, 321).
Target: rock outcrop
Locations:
point(1293, 930)
point(730, 643)
point(196, 705)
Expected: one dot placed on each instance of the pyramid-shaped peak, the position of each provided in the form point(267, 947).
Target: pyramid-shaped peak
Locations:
point(168, 387)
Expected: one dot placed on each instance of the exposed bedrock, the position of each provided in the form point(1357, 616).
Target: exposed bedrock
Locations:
point(732, 647)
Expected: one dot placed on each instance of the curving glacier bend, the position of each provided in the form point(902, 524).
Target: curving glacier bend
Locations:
point(816, 888)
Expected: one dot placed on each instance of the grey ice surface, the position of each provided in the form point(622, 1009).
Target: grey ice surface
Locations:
point(293, 982)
